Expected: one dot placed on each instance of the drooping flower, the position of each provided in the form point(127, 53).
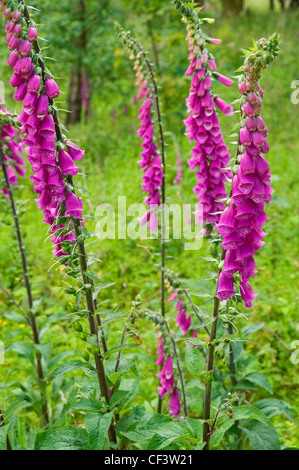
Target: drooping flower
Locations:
point(210, 156)
point(44, 149)
point(150, 162)
point(13, 148)
point(174, 404)
point(242, 221)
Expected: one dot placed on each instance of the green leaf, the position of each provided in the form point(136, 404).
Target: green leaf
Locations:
point(167, 433)
point(14, 316)
point(120, 348)
point(273, 407)
point(87, 404)
point(60, 357)
point(66, 367)
point(127, 390)
point(262, 437)
point(23, 349)
point(259, 379)
point(3, 433)
point(67, 438)
point(98, 426)
point(250, 329)
point(194, 361)
point(224, 423)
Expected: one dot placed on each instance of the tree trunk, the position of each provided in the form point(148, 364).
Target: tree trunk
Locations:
point(282, 4)
point(75, 95)
point(232, 6)
point(294, 4)
point(271, 4)
point(80, 45)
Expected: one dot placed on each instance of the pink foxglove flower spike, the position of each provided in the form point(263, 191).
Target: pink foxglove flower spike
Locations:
point(242, 221)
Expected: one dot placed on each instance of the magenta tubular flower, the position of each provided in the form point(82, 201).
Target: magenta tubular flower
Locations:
point(13, 148)
point(32, 34)
point(51, 88)
point(174, 404)
point(241, 222)
point(166, 375)
point(43, 148)
point(210, 155)
point(150, 162)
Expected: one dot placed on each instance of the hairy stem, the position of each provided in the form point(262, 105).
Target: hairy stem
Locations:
point(177, 362)
point(210, 367)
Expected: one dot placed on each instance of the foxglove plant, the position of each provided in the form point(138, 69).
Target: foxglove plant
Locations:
point(11, 158)
point(170, 380)
point(210, 155)
point(242, 221)
point(152, 160)
point(53, 159)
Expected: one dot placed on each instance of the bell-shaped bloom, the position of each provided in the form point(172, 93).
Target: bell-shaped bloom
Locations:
point(47, 128)
point(66, 163)
point(34, 84)
point(227, 221)
point(20, 92)
point(74, 151)
point(13, 59)
point(51, 88)
point(73, 205)
point(174, 404)
point(173, 296)
point(225, 287)
point(32, 33)
point(24, 47)
point(247, 293)
point(225, 108)
point(42, 106)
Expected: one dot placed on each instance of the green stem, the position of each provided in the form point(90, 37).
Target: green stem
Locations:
point(163, 188)
point(210, 367)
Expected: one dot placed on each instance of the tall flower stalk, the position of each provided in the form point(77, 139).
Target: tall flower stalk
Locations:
point(11, 151)
point(242, 220)
point(152, 160)
point(53, 159)
point(210, 155)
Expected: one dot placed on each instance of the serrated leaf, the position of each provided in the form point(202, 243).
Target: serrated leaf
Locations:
point(123, 347)
point(23, 349)
point(262, 437)
point(194, 361)
point(66, 367)
point(225, 422)
point(273, 407)
point(260, 380)
point(67, 438)
point(98, 426)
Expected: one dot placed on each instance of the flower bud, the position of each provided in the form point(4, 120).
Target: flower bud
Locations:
point(51, 88)
point(32, 34)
